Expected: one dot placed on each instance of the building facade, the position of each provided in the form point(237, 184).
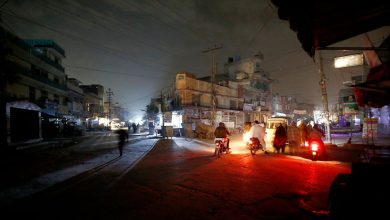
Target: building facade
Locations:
point(253, 84)
point(35, 78)
point(196, 101)
point(93, 106)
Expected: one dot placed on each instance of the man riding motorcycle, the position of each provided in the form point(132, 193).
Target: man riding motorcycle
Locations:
point(222, 132)
point(258, 131)
point(316, 134)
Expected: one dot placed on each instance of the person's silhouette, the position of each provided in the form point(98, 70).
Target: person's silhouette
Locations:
point(122, 136)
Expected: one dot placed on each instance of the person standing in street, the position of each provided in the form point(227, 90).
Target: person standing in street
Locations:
point(302, 132)
point(293, 137)
point(280, 138)
point(123, 137)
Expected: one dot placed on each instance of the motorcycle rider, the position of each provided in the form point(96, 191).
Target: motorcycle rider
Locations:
point(316, 134)
point(222, 132)
point(258, 131)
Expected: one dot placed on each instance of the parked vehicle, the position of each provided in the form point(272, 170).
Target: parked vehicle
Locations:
point(221, 146)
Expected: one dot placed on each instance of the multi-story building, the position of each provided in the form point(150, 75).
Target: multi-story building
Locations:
point(196, 101)
point(51, 90)
point(38, 79)
point(75, 101)
point(284, 105)
point(93, 105)
point(254, 84)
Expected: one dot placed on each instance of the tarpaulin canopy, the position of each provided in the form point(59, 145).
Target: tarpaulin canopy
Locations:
point(319, 23)
point(375, 92)
point(21, 105)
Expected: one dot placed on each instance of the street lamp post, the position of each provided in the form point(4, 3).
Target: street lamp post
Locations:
point(324, 99)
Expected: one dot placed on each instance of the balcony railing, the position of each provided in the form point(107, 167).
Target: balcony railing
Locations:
point(47, 60)
point(27, 72)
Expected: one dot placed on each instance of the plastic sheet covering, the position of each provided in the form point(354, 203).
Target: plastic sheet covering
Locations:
point(22, 105)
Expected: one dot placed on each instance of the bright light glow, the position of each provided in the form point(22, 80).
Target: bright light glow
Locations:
point(245, 137)
point(350, 60)
point(103, 121)
point(314, 147)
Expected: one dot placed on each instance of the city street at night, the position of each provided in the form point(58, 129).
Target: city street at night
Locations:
point(180, 179)
point(125, 109)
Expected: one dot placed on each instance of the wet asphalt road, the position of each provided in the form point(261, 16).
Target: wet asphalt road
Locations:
point(178, 179)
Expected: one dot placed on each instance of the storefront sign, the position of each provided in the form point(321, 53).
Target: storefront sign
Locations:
point(168, 117)
point(300, 112)
point(248, 107)
point(370, 128)
point(350, 60)
point(351, 108)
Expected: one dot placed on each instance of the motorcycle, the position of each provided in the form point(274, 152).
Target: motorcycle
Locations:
point(316, 146)
point(254, 145)
point(221, 146)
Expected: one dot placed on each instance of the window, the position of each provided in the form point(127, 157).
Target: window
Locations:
point(44, 95)
point(31, 91)
point(35, 70)
point(44, 74)
point(56, 98)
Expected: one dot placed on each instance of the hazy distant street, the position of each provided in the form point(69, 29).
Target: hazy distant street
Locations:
point(181, 179)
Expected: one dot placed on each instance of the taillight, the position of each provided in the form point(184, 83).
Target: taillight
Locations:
point(314, 147)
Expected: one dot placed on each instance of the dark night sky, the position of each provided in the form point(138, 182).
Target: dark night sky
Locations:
point(136, 47)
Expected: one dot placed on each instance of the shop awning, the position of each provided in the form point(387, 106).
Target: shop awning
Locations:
point(320, 23)
point(22, 105)
point(375, 92)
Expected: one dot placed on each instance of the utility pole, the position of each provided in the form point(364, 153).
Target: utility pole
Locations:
point(163, 129)
point(213, 73)
point(109, 98)
point(324, 98)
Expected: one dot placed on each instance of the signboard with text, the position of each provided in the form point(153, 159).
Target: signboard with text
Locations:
point(351, 108)
point(370, 128)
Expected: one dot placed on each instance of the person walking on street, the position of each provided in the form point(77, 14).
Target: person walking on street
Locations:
point(280, 138)
point(122, 136)
point(302, 133)
point(293, 138)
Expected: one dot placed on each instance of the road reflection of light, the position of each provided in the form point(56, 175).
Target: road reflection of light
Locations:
point(312, 176)
point(238, 147)
point(318, 161)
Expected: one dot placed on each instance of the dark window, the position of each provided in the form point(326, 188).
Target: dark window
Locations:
point(31, 91)
point(233, 104)
point(65, 101)
point(56, 80)
point(44, 95)
point(44, 74)
point(35, 70)
point(57, 99)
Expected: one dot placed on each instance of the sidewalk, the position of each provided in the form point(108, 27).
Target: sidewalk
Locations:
point(382, 140)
